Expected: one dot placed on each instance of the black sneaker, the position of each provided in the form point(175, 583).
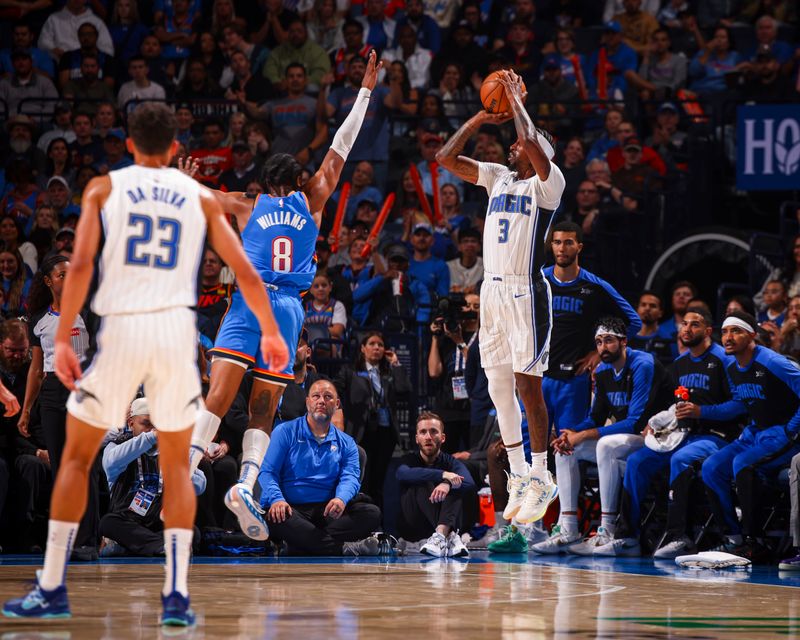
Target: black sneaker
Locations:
point(85, 553)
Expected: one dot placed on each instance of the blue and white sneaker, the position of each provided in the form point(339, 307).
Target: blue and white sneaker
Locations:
point(240, 501)
point(540, 492)
point(177, 612)
point(39, 603)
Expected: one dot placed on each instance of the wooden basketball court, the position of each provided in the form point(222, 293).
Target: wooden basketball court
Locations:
point(420, 598)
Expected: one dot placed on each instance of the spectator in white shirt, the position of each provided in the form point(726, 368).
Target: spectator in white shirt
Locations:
point(140, 86)
point(408, 51)
point(466, 271)
point(60, 31)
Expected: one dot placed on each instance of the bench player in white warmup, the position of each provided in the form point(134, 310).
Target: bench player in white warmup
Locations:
point(515, 297)
point(148, 223)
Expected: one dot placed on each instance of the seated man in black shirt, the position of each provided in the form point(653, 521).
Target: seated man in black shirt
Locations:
point(432, 489)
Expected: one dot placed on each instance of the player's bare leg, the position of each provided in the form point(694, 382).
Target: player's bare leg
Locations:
point(541, 490)
point(48, 598)
point(264, 399)
point(226, 377)
point(179, 509)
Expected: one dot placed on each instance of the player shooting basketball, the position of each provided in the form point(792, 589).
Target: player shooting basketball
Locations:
point(516, 305)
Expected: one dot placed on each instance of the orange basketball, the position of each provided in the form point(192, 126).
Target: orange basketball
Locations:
point(493, 94)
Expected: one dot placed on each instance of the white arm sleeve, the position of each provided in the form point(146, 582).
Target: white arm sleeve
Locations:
point(346, 135)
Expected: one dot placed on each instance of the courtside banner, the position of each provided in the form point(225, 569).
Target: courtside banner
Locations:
point(768, 147)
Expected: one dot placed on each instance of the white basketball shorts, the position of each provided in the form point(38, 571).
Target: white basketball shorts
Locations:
point(157, 349)
point(516, 318)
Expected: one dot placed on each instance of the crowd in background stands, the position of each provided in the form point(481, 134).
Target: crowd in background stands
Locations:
point(248, 79)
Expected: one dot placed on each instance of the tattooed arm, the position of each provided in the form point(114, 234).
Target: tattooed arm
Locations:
point(449, 156)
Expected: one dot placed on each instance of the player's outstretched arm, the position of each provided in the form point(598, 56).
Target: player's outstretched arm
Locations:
point(449, 156)
point(237, 203)
point(226, 244)
point(526, 131)
point(321, 185)
point(79, 277)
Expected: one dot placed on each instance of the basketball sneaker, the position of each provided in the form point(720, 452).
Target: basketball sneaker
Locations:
point(455, 547)
point(369, 546)
point(177, 612)
point(790, 564)
point(619, 547)
point(39, 603)
point(512, 541)
point(559, 542)
point(517, 485)
point(671, 550)
point(240, 501)
point(541, 491)
point(490, 536)
point(586, 548)
point(435, 546)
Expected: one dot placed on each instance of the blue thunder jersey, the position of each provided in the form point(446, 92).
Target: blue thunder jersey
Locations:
point(280, 240)
point(770, 389)
point(577, 306)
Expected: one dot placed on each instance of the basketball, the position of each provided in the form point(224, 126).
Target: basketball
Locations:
point(493, 94)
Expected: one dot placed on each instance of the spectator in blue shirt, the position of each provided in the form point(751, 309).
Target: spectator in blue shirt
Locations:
point(309, 479)
point(709, 66)
point(767, 36)
point(429, 35)
point(621, 58)
point(431, 271)
point(22, 38)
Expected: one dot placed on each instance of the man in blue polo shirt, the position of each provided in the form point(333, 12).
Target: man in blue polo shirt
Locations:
point(308, 481)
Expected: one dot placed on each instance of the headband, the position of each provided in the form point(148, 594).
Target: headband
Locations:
point(602, 330)
point(733, 321)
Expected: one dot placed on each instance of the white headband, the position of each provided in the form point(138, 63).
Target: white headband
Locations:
point(733, 321)
point(606, 331)
point(545, 145)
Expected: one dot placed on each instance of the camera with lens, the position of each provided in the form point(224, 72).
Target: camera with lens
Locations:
point(449, 313)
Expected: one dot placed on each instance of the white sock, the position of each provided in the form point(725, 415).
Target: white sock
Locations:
point(608, 522)
point(203, 433)
point(509, 415)
point(568, 523)
point(254, 447)
point(60, 536)
point(516, 461)
point(178, 547)
point(538, 461)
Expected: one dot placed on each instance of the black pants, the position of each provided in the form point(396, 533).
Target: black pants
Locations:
point(53, 408)
point(132, 535)
point(308, 532)
point(419, 517)
point(32, 485)
point(379, 446)
point(220, 476)
point(5, 474)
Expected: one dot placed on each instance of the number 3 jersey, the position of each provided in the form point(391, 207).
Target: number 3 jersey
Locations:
point(154, 231)
point(280, 240)
point(517, 219)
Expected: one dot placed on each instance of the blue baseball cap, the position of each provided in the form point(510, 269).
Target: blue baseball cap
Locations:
point(613, 25)
point(551, 61)
point(117, 133)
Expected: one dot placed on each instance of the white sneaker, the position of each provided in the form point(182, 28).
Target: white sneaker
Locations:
point(435, 546)
point(559, 542)
point(240, 501)
point(541, 491)
point(456, 548)
point(672, 550)
point(586, 548)
point(536, 533)
point(517, 485)
point(490, 536)
point(619, 547)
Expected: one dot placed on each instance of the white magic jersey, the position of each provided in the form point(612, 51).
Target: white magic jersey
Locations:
point(517, 219)
point(153, 235)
